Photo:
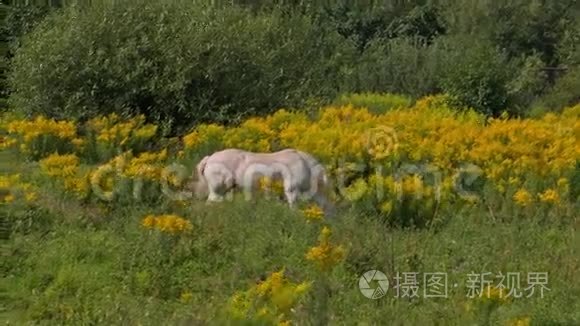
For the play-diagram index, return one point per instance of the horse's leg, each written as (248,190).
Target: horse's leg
(214,196)
(292,197)
(324,204)
(213,186)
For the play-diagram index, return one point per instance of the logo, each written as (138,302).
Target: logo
(364,284)
(382,142)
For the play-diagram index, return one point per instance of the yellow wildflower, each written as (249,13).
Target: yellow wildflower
(550,196)
(202,134)
(149,221)
(186,297)
(31,196)
(563,185)
(32,129)
(273,299)
(522,197)
(56,165)
(357,190)
(168,223)
(524,321)
(303,287)
(313,213)
(271,186)
(496,294)
(146,132)
(325,255)
(147,165)
(387,207)
(78,185)
(7,142)
(78,142)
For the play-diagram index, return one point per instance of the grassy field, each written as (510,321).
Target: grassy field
(74,264)
(77,261)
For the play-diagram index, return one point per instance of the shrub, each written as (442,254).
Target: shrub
(17,21)
(403,65)
(564,92)
(478,77)
(374,102)
(176,62)
(424,22)
(527,84)
(20,20)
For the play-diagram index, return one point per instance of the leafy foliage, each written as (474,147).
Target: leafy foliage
(180,63)
(478,77)
(375,103)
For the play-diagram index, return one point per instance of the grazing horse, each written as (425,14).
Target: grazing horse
(299,172)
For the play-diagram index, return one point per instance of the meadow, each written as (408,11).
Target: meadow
(473,220)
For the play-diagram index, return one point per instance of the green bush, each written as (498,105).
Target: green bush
(527,84)
(363,24)
(478,77)
(403,65)
(374,102)
(21,19)
(563,93)
(16,20)
(175,62)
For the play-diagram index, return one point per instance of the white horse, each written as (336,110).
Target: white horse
(299,172)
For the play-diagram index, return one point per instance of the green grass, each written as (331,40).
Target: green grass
(74,264)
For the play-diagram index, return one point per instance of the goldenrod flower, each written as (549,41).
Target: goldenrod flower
(11,188)
(522,197)
(550,196)
(273,299)
(78,185)
(325,255)
(78,142)
(146,132)
(268,185)
(386,207)
(357,190)
(149,221)
(524,321)
(202,134)
(563,185)
(56,165)
(147,165)
(185,297)
(495,294)
(31,129)
(9,198)
(31,196)
(313,213)
(168,223)
(7,142)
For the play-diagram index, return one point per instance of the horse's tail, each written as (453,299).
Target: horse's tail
(200,187)
(201,167)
